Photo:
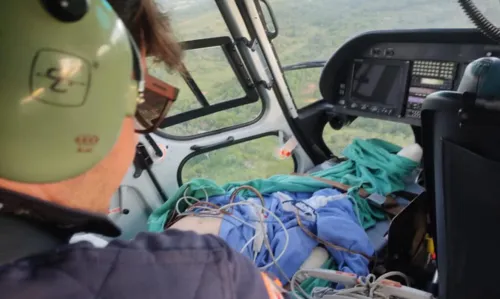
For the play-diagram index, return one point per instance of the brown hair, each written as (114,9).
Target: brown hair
(160,42)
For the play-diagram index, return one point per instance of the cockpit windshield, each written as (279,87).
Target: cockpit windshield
(309,31)
(323,25)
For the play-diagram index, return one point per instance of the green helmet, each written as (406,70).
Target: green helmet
(66,89)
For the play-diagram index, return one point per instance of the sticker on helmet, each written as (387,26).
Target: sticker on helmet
(85,143)
(59,78)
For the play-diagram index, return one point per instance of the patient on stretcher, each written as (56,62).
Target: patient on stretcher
(309,224)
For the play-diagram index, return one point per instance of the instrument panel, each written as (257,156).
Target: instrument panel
(395,88)
(426,78)
(390,80)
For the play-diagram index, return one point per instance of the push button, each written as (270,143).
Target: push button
(389,52)
(376,51)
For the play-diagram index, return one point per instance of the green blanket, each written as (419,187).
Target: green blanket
(373,165)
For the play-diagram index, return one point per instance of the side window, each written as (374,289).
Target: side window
(216,91)
(400,134)
(195,19)
(244,161)
(304,86)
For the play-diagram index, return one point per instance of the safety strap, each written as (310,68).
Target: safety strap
(390,205)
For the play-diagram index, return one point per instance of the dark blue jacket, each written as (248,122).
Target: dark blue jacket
(174,264)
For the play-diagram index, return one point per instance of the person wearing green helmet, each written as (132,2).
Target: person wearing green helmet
(74,94)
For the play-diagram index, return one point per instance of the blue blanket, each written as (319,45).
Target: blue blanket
(373,164)
(326,213)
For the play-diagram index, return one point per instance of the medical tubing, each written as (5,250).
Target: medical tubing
(261,222)
(221,216)
(365,285)
(249,242)
(482,23)
(266,240)
(218,213)
(188,188)
(193,213)
(287,237)
(185,199)
(369,284)
(294,284)
(270,250)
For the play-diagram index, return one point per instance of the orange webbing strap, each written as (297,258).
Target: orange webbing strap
(273,287)
(391,206)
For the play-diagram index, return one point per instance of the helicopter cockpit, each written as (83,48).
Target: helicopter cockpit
(365,207)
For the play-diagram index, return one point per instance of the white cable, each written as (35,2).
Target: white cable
(263,231)
(218,213)
(221,216)
(294,284)
(366,287)
(268,247)
(248,243)
(266,239)
(287,237)
(203,189)
(185,198)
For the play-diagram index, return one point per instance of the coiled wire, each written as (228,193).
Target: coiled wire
(478,18)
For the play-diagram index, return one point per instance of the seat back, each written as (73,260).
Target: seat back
(461,138)
(129,210)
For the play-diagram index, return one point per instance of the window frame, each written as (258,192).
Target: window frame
(214,147)
(305,65)
(240,72)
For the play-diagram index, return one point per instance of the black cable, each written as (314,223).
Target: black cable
(482,23)
(163,196)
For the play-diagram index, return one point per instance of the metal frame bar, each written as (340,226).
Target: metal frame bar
(239,70)
(267,50)
(304,65)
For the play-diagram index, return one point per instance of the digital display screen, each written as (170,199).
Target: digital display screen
(421,90)
(380,83)
(431,81)
(417,100)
